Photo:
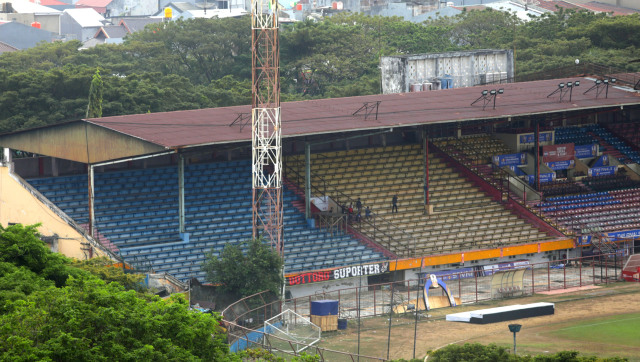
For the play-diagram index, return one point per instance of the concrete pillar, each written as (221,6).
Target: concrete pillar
(181,192)
(92,217)
(307,180)
(6,157)
(54,167)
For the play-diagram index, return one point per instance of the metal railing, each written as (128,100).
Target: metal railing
(471,285)
(376,234)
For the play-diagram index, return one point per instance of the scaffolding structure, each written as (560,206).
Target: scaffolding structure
(265,123)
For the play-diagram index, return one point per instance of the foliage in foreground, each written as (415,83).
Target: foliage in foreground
(493,353)
(245,268)
(51,310)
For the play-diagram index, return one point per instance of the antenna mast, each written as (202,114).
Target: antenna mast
(266,137)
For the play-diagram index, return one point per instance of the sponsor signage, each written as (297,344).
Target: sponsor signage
(602,161)
(584,240)
(544,177)
(554,153)
(628,234)
(586,151)
(336,274)
(517,170)
(494,268)
(561,165)
(602,171)
(453,274)
(531,138)
(510,160)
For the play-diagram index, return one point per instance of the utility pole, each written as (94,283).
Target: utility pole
(266,134)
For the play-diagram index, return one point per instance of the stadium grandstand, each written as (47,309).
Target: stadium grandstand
(513,171)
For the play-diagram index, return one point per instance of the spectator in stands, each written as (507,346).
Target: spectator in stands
(350,215)
(394,203)
(359,205)
(358,216)
(367,213)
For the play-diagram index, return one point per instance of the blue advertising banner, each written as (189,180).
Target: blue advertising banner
(530,138)
(584,240)
(511,159)
(517,170)
(628,234)
(544,177)
(601,161)
(453,274)
(586,151)
(492,269)
(602,171)
(561,165)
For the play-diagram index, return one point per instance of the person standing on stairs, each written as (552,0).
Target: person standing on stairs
(394,203)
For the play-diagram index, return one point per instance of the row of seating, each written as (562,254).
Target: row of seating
(143,221)
(464,217)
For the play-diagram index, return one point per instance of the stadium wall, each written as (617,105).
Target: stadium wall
(20,205)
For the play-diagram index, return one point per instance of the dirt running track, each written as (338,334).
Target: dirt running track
(570,308)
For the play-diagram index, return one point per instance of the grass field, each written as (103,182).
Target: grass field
(618,330)
(604,322)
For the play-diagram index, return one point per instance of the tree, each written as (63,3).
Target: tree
(50,310)
(493,353)
(103,268)
(258,269)
(472,352)
(94,108)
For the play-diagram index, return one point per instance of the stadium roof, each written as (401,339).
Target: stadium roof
(131,135)
(211,126)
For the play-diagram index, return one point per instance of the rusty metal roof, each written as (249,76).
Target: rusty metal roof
(211,126)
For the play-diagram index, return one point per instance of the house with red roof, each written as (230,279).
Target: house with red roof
(100,6)
(5,48)
(615,10)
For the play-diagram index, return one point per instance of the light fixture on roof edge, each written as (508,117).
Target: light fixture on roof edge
(601,84)
(487,96)
(564,88)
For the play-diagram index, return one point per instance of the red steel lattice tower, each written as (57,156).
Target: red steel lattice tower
(265,123)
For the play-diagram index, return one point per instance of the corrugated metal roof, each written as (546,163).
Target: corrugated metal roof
(553,5)
(112,31)
(4,47)
(211,126)
(133,25)
(606,8)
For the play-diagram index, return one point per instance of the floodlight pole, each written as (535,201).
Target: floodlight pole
(415,326)
(266,132)
(515,328)
(390,317)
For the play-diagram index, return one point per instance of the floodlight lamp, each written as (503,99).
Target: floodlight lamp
(561,85)
(606,81)
(493,92)
(569,84)
(598,81)
(485,92)
(500,91)
(576,83)
(515,328)
(613,80)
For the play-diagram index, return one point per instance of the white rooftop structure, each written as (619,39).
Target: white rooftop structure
(27,7)
(86,17)
(522,12)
